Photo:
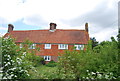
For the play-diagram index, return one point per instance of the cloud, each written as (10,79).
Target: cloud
(102,20)
(103,15)
(105,34)
(68,14)
(2,31)
(35,20)
(50,10)
(3,28)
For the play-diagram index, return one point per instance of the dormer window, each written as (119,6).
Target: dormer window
(79,47)
(63,46)
(47,46)
(32,46)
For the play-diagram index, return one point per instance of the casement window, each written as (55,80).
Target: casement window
(21,45)
(79,47)
(47,58)
(47,46)
(32,46)
(63,46)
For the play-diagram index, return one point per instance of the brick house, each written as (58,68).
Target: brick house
(51,41)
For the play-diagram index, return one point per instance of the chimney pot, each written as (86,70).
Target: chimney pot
(86,27)
(10,27)
(52,26)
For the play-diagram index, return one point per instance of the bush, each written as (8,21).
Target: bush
(51,64)
(14,64)
(37,61)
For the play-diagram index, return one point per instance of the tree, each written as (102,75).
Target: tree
(101,62)
(94,42)
(72,63)
(13,64)
(16,62)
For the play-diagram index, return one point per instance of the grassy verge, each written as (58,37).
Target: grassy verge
(42,72)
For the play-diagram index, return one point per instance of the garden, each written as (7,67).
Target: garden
(98,62)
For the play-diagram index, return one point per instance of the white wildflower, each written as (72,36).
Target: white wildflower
(114,78)
(24,53)
(106,76)
(26,71)
(93,73)
(19,62)
(17,58)
(9,63)
(92,78)
(87,78)
(8,56)
(88,73)
(28,75)
(87,70)
(4,78)
(111,73)
(83,77)
(15,76)
(12,75)
(6,64)
(97,72)
(1,71)
(13,68)
(22,57)
(8,59)
(99,76)
(12,61)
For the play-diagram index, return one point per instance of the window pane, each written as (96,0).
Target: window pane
(63,46)
(82,47)
(45,57)
(47,46)
(34,46)
(21,46)
(79,47)
(48,58)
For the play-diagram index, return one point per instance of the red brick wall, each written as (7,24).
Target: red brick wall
(53,52)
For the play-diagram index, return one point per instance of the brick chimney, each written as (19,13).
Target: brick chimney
(10,27)
(86,27)
(52,27)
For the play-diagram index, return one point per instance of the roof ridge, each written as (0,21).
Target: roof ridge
(48,29)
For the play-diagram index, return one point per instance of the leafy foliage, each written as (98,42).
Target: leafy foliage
(99,63)
(51,64)
(12,62)
(17,62)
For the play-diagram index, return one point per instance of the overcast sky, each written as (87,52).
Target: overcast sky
(101,15)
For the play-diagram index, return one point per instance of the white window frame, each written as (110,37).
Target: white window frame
(48,58)
(32,46)
(21,46)
(81,47)
(47,47)
(65,46)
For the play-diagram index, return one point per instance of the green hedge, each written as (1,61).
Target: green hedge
(51,64)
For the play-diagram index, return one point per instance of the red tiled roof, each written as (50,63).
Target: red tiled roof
(45,36)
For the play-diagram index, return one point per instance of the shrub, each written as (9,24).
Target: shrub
(51,64)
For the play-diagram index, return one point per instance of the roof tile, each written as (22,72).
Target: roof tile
(45,36)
